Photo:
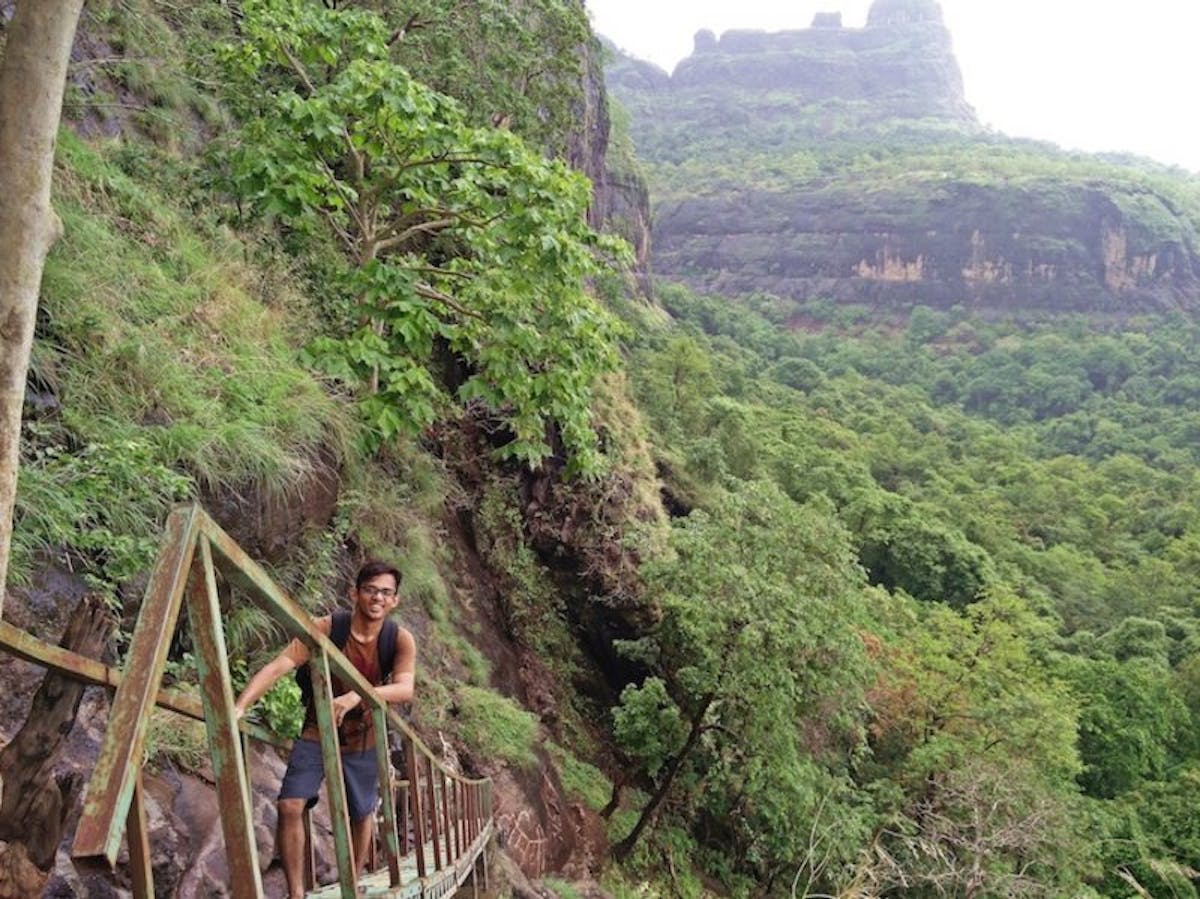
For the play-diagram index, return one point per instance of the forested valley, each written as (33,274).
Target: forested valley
(768,525)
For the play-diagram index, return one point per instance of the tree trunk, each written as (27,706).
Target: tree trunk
(33,805)
(622,849)
(614,801)
(32,79)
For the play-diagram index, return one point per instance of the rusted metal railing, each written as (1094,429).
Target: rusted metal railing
(434,824)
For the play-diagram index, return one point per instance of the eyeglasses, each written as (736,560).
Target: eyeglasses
(372,592)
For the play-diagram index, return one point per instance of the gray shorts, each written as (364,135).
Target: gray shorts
(305,771)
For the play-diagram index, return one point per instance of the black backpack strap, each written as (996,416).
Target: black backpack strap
(387,649)
(339,633)
(339,627)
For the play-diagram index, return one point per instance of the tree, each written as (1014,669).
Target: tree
(755,648)
(986,830)
(975,726)
(455,239)
(1131,723)
(905,546)
(513,62)
(32,82)
(35,807)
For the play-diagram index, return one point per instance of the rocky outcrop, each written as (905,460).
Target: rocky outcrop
(620,198)
(899,67)
(757,88)
(1044,244)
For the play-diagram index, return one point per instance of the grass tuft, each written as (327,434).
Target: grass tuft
(582,780)
(494,726)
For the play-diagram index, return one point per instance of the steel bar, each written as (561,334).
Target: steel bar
(402,805)
(335,783)
(137,834)
(433,815)
(70,664)
(110,789)
(484,858)
(446,816)
(472,797)
(391,843)
(225,749)
(462,815)
(414,797)
(456,788)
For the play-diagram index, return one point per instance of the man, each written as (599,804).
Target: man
(369,635)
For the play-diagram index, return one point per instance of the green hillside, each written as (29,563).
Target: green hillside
(883,589)
(1025,591)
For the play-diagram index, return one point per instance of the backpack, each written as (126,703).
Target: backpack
(339,633)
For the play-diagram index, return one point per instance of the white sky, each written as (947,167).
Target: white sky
(1086,74)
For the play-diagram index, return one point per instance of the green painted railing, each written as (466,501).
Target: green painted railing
(435,824)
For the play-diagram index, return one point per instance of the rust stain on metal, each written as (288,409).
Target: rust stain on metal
(225,748)
(387,788)
(138,836)
(110,789)
(414,799)
(433,815)
(446,829)
(335,783)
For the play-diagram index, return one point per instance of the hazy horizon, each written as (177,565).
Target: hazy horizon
(1094,77)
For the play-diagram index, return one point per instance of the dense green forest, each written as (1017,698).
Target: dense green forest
(891,602)
(1019,516)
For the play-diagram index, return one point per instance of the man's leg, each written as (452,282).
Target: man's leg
(289,844)
(362,829)
(362,796)
(301,782)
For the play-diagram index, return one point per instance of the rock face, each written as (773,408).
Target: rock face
(1042,245)
(620,198)
(789,88)
(845,163)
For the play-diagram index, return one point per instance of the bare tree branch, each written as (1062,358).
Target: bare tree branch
(431,293)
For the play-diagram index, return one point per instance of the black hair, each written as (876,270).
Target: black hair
(372,568)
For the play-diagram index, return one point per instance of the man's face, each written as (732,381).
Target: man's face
(376,598)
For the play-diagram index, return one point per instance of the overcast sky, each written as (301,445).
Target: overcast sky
(1086,74)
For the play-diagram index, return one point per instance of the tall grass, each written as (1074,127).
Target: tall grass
(495,726)
(157,371)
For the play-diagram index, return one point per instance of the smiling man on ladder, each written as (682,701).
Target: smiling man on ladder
(385,654)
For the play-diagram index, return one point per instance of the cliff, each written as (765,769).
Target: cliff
(921,238)
(895,66)
(790,88)
(620,198)
(140,281)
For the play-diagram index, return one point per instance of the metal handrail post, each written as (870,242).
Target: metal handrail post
(220,722)
(433,816)
(335,781)
(391,843)
(414,797)
(137,835)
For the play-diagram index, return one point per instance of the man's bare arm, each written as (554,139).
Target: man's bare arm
(263,681)
(404,667)
(401,687)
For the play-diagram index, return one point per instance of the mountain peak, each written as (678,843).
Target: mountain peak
(904,12)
